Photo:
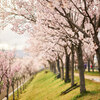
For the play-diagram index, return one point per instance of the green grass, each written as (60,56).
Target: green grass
(45,86)
(90,73)
(93,73)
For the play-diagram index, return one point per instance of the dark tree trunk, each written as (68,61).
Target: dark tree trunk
(17,90)
(98,57)
(72,65)
(54,67)
(23,82)
(13,89)
(23,85)
(67,79)
(62,70)
(58,67)
(81,69)
(92,62)
(88,65)
(50,65)
(0,88)
(97,42)
(13,92)
(7,88)
(1,82)
(20,87)
(92,65)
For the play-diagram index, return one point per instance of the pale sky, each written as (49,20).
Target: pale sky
(11,40)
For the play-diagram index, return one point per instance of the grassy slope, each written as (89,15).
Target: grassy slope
(46,87)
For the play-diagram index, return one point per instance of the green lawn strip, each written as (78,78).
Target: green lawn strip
(45,86)
(93,73)
(90,73)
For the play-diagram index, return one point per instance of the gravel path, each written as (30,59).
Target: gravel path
(94,78)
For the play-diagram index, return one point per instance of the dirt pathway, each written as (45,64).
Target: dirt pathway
(94,78)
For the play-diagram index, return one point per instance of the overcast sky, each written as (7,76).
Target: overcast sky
(12,40)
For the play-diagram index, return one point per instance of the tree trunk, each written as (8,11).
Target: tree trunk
(50,64)
(0,88)
(62,70)
(23,85)
(20,87)
(13,92)
(97,42)
(7,88)
(81,69)
(54,67)
(50,67)
(13,89)
(17,90)
(88,65)
(23,82)
(67,79)
(92,66)
(72,65)
(58,67)
(98,57)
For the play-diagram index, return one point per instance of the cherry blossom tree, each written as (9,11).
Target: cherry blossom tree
(6,74)
(90,10)
(11,71)
(61,23)
(59,6)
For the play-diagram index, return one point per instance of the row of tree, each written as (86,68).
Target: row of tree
(14,72)
(58,29)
